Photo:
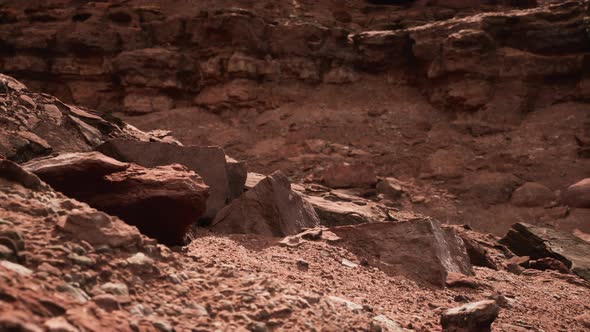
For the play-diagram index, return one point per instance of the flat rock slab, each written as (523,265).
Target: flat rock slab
(207,161)
(419,249)
(538,242)
(270,208)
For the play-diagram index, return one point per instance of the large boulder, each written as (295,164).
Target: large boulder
(537,242)
(419,249)
(224,180)
(578,194)
(271,208)
(162,202)
(532,194)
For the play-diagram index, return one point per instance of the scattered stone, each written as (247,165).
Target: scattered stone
(23,271)
(107,302)
(81,260)
(302,264)
(271,208)
(471,317)
(163,326)
(348,263)
(338,301)
(460,280)
(115,288)
(75,292)
(382,323)
(59,324)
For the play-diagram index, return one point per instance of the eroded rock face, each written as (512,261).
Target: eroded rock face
(224,179)
(216,57)
(271,208)
(162,202)
(537,243)
(36,125)
(418,249)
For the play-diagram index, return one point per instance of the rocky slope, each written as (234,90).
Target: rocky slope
(463,102)
(67,267)
(372,126)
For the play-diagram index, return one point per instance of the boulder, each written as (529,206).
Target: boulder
(162,202)
(345,175)
(471,317)
(578,194)
(532,194)
(418,249)
(489,187)
(98,228)
(207,161)
(391,188)
(271,208)
(537,243)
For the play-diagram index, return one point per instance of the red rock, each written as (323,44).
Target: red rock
(390,187)
(418,249)
(548,263)
(162,202)
(471,317)
(538,242)
(271,208)
(578,194)
(17,321)
(460,280)
(207,161)
(532,194)
(99,228)
(60,169)
(345,175)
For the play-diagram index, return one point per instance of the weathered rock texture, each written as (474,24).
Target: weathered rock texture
(36,124)
(163,202)
(419,249)
(207,161)
(271,208)
(471,317)
(537,242)
(153,58)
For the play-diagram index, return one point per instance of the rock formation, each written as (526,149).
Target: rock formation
(163,202)
(270,208)
(300,165)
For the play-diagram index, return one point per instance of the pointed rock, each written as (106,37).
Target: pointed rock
(271,208)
